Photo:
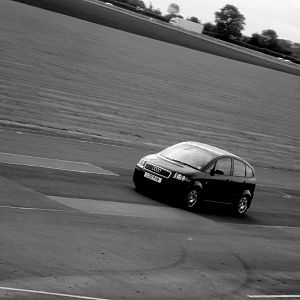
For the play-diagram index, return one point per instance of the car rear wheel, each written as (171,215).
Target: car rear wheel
(192,199)
(242,205)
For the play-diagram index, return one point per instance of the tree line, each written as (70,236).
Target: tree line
(229,24)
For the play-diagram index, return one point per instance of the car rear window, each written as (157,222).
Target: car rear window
(249,172)
(192,155)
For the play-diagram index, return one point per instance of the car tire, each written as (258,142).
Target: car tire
(192,199)
(242,205)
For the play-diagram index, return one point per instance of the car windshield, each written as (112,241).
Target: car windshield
(189,154)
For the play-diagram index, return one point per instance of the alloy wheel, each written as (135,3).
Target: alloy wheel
(192,198)
(242,205)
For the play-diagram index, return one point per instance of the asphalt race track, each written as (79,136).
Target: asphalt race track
(85,234)
(72,225)
(74,78)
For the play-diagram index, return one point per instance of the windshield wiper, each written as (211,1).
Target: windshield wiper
(182,163)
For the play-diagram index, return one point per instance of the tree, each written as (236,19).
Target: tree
(138,3)
(267,39)
(285,46)
(154,10)
(194,19)
(229,22)
(296,50)
(270,34)
(151,8)
(173,9)
(209,27)
(134,3)
(157,11)
(258,40)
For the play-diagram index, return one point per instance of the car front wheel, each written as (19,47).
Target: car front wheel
(192,199)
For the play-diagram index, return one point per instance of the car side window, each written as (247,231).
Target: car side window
(239,168)
(249,172)
(224,164)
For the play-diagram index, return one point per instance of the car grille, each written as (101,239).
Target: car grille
(158,170)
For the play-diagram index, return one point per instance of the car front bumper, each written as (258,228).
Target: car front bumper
(170,185)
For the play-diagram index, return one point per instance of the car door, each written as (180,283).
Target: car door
(218,185)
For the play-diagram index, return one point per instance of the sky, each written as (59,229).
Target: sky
(283,16)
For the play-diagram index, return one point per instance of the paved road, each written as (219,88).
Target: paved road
(68,234)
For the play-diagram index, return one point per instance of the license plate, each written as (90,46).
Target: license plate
(152,177)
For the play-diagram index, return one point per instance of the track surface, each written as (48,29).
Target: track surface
(60,74)
(85,233)
(95,236)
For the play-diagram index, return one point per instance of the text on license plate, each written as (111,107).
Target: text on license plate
(153,177)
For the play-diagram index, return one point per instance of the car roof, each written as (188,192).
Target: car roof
(215,150)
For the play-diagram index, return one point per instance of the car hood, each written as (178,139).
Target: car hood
(160,161)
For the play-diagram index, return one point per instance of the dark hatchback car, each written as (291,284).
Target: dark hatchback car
(196,172)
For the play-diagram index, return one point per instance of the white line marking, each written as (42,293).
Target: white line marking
(278,187)
(121,208)
(117,209)
(49,293)
(52,163)
(121,214)
(273,296)
(268,226)
(75,211)
(63,169)
(37,208)
(81,141)
(109,208)
(78,212)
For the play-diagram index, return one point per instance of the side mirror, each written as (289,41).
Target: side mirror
(216,172)
(219,172)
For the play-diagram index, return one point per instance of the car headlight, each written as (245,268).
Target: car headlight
(141,163)
(180,177)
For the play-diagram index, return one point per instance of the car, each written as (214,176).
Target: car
(195,173)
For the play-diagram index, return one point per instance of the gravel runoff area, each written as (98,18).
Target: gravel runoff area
(66,76)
